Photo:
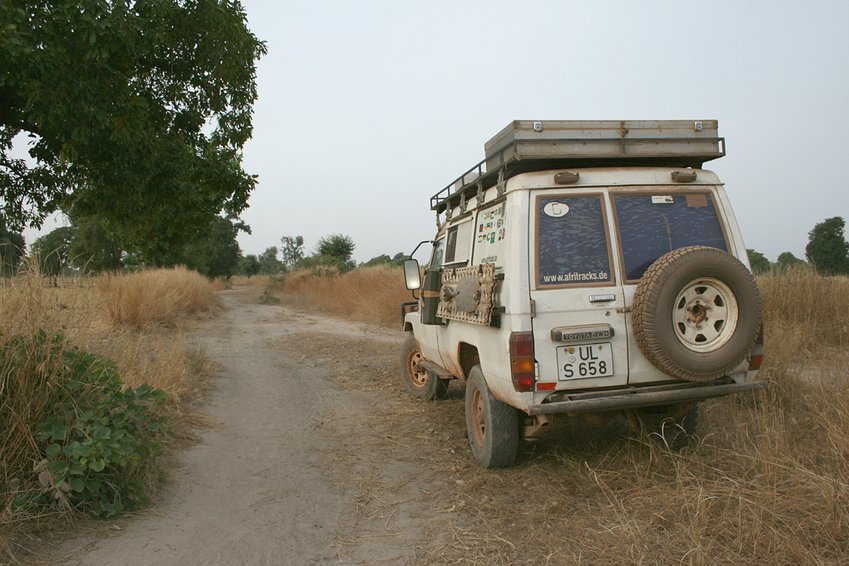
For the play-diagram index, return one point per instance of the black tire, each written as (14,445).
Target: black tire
(696,313)
(492,426)
(672,426)
(421,384)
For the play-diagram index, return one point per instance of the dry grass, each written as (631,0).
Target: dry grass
(766,483)
(156,297)
(91,316)
(369,294)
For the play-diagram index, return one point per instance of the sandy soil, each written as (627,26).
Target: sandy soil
(296,468)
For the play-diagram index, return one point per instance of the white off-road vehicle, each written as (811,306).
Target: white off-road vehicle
(584,268)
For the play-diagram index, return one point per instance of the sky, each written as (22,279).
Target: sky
(367,108)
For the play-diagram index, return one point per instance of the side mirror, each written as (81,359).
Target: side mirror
(412,275)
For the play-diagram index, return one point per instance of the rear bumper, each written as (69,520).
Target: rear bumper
(634,397)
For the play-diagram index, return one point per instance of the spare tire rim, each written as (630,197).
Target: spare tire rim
(705,315)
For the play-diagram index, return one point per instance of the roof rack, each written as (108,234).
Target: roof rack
(537,146)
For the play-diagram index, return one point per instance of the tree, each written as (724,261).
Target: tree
(336,246)
(786,260)
(249,265)
(216,253)
(384,259)
(292,250)
(268,262)
(11,249)
(335,251)
(827,249)
(94,248)
(53,250)
(758,261)
(142,105)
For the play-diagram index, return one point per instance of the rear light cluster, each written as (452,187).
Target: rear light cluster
(522,363)
(756,358)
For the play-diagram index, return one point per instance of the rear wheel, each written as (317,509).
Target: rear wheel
(419,382)
(492,426)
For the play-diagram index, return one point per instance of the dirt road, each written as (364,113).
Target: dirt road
(296,468)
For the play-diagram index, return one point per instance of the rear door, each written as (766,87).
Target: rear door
(580,337)
(651,221)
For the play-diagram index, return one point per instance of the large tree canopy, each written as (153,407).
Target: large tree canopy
(136,112)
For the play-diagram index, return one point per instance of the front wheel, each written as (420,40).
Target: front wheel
(419,382)
(492,426)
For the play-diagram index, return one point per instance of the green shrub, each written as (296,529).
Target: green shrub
(96,441)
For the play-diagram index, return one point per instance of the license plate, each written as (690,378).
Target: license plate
(584,361)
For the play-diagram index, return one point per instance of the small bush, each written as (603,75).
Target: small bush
(93,441)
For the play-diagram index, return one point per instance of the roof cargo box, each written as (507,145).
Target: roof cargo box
(573,143)
(527,145)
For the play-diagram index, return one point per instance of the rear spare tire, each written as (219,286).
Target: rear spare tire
(696,313)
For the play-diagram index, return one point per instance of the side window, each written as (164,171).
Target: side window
(438,253)
(572,242)
(651,225)
(458,242)
(490,236)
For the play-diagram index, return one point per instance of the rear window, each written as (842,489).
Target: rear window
(572,242)
(652,225)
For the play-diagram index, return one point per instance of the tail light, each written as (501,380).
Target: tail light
(756,358)
(522,362)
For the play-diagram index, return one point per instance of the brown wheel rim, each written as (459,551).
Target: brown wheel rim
(478,420)
(417,378)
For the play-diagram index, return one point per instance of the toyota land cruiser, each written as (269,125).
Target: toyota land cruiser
(584,268)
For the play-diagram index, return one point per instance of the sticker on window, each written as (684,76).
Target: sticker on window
(698,201)
(662,199)
(556,209)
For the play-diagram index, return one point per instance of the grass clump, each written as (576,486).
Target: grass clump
(73,436)
(368,294)
(95,441)
(157,297)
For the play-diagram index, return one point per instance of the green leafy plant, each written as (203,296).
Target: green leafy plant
(100,439)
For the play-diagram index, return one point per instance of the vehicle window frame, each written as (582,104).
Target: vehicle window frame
(439,242)
(455,228)
(537,286)
(659,191)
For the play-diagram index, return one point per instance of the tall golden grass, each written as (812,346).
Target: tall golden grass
(156,297)
(368,294)
(131,319)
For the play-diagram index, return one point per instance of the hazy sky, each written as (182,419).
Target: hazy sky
(367,108)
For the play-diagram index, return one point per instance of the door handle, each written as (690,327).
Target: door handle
(602,298)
